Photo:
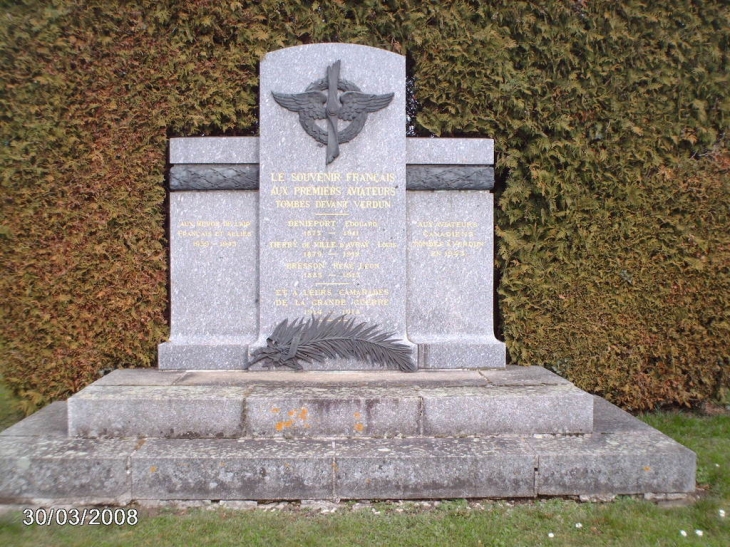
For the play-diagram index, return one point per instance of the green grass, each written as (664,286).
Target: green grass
(9,412)
(625,522)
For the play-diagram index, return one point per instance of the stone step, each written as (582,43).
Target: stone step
(347,404)
(39,463)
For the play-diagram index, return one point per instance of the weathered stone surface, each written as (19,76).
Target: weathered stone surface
(140,377)
(231,469)
(608,418)
(338,404)
(426,151)
(329,411)
(511,410)
(246,150)
(449,177)
(338,379)
(333,235)
(203,354)
(627,462)
(73,470)
(445,352)
(214,177)
(624,455)
(434,468)
(450,278)
(514,375)
(221,150)
(157,411)
(49,422)
(213,252)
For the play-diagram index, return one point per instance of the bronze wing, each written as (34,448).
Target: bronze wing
(355,108)
(311,107)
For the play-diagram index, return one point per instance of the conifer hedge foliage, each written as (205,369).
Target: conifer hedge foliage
(611,126)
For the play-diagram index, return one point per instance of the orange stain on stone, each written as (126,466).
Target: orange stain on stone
(281,425)
(359,427)
(300,414)
(357,415)
(275,410)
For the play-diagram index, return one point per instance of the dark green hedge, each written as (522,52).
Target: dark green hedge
(610,120)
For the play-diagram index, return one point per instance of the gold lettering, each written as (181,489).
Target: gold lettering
(305,265)
(360,224)
(316,177)
(456,224)
(315,292)
(317,191)
(429,243)
(329,302)
(370,177)
(427,233)
(364,292)
(331,204)
(370,191)
(371,302)
(380,204)
(286,204)
(311,223)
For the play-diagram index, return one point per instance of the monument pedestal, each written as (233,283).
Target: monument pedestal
(143,434)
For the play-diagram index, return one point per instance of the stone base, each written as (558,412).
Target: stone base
(341,404)
(39,462)
(486,353)
(202,356)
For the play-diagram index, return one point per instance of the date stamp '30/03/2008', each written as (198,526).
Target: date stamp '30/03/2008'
(93,516)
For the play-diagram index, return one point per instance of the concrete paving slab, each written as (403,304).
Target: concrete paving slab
(343,378)
(233,469)
(139,377)
(513,375)
(79,470)
(514,410)
(608,418)
(156,411)
(48,422)
(300,411)
(434,468)
(626,462)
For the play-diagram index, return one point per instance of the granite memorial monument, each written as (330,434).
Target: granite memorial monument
(334,244)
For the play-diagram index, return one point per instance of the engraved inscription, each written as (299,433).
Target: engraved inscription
(452,239)
(330,245)
(207,233)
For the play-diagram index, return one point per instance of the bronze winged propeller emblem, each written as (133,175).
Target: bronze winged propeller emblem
(351,106)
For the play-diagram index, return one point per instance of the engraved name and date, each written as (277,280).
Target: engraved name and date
(334,241)
(90,516)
